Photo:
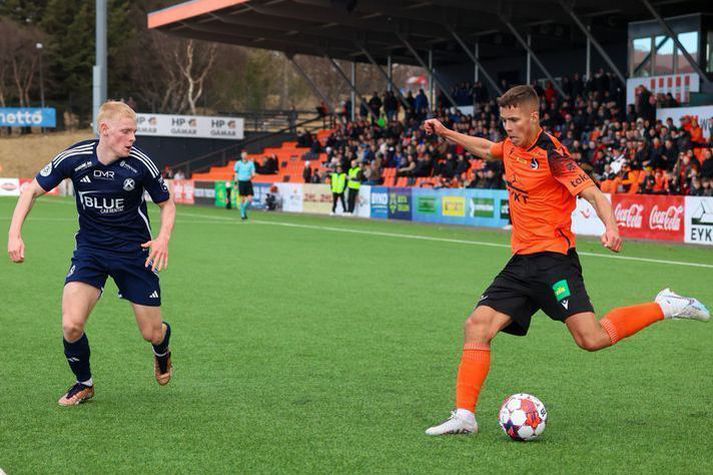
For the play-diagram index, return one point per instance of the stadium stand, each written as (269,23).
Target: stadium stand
(624,148)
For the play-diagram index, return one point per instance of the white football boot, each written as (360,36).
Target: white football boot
(676,307)
(460,422)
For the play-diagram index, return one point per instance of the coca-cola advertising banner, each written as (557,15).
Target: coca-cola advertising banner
(650,216)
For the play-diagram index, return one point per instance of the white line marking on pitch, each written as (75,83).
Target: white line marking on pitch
(439,239)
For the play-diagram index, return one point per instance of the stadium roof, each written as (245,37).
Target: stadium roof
(341,28)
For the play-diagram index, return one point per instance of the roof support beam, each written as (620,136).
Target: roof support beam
(353,88)
(696,67)
(425,66)
(401,97)
(311,83)
(475,60)
(567,8)
(532,55)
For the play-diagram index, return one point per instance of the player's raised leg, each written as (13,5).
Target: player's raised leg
(623,322)
(480,329)
(158,333)
(78,300)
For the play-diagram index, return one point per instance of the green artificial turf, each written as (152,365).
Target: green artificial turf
(299,347)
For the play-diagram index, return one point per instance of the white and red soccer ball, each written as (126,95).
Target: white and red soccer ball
(523,417)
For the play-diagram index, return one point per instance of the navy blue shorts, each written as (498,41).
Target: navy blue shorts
(136,283)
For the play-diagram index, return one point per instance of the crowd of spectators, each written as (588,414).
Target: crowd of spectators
(625,149)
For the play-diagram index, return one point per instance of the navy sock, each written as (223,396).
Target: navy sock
(77,354)
(162,347)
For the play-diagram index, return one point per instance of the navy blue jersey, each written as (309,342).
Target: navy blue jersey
(110,198)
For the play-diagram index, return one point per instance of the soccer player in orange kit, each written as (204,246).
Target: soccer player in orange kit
(544,272)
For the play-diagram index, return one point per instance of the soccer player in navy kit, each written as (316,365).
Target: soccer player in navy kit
(114,239)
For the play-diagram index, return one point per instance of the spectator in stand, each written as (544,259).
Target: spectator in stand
(375,104)
(304,139)
(391,106)
(707,187)
(407,170)
(307,173)
(271,166)
(696,187)
(421,105)
(372,174)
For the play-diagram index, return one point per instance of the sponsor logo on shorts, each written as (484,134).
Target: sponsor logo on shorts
(71,270)
(154,295)
(561,290)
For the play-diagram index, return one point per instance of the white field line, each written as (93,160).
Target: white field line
(228,220)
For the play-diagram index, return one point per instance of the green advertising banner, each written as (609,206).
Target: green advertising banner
(426,204)
(482,207)
(221,193)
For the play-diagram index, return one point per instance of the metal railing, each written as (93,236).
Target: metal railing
(271,121)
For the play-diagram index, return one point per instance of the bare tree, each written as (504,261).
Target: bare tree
(18,61)
(194,68)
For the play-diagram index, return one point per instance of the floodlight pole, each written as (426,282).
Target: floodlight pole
(696,67)
(428,67)
(354,90)
(99,70)
(475,60)
(567,8)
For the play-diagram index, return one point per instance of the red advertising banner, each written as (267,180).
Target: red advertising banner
(650,216)
(183,191)
(26,181)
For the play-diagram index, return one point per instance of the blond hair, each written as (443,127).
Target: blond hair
(113,110)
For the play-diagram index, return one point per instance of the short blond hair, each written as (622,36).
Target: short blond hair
(114,110)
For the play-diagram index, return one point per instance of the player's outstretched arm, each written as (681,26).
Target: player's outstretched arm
(158,254)
(15,245)
(479,147)
(610,239)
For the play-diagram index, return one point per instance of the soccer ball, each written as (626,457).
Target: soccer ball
(523,417)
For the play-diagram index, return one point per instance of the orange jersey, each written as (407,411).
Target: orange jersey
(543,182)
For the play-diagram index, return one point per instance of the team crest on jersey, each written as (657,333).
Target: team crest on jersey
(46,170)
(129,184)
(534,164)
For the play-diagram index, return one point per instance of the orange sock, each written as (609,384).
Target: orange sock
(473,369)
(623,322)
